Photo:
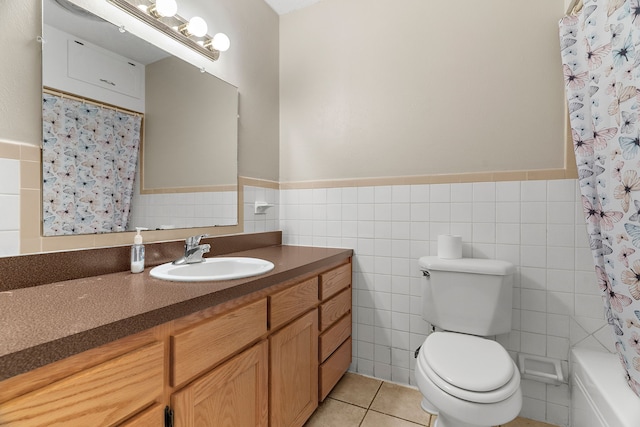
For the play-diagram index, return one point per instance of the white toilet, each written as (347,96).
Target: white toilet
(467,380)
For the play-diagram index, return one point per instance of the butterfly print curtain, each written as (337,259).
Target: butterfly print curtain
(601,64)
(89,159)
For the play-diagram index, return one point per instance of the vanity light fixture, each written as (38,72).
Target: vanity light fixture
(163,8)
(219,42)
(195,27)
(162,15)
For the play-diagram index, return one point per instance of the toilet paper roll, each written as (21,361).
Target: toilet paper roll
(449,246)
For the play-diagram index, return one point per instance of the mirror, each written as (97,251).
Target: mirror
(182,121)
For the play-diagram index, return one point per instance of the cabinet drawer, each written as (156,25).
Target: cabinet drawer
(334,336)
(99,396)
(287,304)
(332,370)
(335,308)
(203,346)
(334,281)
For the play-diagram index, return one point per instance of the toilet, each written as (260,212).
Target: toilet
(466,379)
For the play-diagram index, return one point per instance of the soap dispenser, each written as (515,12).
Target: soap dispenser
(137,252)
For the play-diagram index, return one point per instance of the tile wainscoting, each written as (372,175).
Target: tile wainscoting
(259,222)
(182,210)
(536,225)
(9,206)
(19,196)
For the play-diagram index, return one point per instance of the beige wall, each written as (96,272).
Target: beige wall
(190,129)
(20,72)
(387,88)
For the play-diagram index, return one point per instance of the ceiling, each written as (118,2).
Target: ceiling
(285,6)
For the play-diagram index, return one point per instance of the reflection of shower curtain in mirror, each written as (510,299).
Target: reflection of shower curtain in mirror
(89,159)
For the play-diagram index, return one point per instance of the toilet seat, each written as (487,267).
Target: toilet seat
(469,367)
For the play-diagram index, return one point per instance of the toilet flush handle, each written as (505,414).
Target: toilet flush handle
(425,273)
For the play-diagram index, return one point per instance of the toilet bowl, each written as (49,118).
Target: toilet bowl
(468,381)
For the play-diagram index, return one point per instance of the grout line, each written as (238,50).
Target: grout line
(403,419)
(375,395)
(368,408)
(371,403)
(391,415)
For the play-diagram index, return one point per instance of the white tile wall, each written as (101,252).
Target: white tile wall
(184,209)
(9,207)
(268,221)
(537,225)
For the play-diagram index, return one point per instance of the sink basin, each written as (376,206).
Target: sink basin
(223,268)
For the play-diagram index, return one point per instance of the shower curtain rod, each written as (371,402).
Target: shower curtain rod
(68,95)
(574,7)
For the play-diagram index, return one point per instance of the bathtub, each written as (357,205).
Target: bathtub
(600,396)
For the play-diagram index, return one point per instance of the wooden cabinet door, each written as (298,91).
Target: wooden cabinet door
(294,372)
(102,395)
(235,394)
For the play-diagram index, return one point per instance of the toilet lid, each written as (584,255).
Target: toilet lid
(468,362)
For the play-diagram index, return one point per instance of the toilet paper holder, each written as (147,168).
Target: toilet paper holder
(542,369)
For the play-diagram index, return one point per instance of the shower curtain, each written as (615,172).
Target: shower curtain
(601,64)
(89,159)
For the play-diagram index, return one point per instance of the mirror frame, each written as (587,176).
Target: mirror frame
(119,18)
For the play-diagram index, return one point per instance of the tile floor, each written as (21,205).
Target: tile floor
(359,401)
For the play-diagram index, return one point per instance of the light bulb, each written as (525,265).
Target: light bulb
(166,8)
(197,26)
(221,42)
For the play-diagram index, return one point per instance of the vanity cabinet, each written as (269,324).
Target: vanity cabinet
(263,359)
(104,394)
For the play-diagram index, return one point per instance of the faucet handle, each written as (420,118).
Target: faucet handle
(195,240)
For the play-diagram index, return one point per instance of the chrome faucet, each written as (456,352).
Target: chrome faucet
(193,250)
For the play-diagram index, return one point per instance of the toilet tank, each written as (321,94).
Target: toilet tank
(467,295)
